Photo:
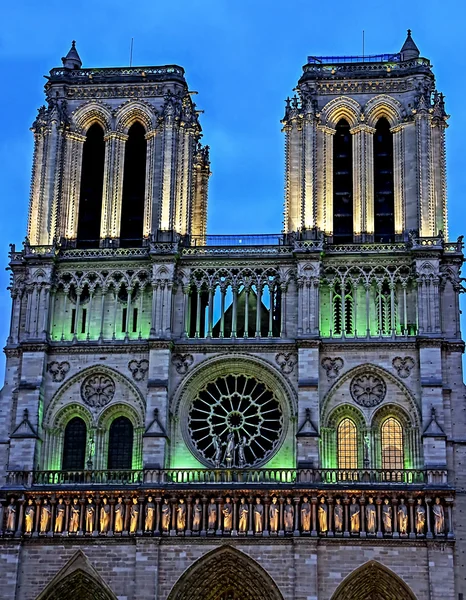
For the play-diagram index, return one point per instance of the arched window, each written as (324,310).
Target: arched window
(384,222)
(343,310)
(347,444)
(134,182)
(342,184)
(392,444)
(120,444)
(74,445)
(92,183)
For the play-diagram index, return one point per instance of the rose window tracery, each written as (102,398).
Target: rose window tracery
(368,389)
(235,421)
(98,390)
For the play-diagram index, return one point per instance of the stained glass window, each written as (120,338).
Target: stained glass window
(392,444)
(120,444)
(347,441)
(74,445)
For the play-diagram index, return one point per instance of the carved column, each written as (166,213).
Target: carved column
(314,516)
(296,501)
(325,179)
(429,534)
(113,185)
(398,178)
(151,200)
(363,183)
(422,120)
(72,184)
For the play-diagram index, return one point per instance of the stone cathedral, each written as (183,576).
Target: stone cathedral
(274,417)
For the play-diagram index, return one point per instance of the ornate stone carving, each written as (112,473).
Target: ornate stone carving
(97,390)
(368,389)
(138,369)
(332,366)
(182,362)
(286,361)
(58,370)
(403,366)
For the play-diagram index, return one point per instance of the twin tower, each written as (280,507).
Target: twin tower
(118,157)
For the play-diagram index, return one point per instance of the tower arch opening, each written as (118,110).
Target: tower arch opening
(384,203)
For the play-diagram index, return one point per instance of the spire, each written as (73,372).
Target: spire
(72,60)
(409,49)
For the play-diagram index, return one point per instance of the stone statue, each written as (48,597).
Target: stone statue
(274,511)
(119,515)
(439,518)
(104,516)
(306,515)
(240,452)
(134,516)
(420,517)
(387,517)
(323,516)
(243,516)
(150,515)
(338,516)
(181,516)
(355,516)
(11,516)
(366,451)
(229,457)
(165,516)
(227,515)
(371,517)
(258,516)
(288,516)
(74,516)
(60,516)
(218,451)
(197,515)
(45,516)
(29,517)
(403,518)
(90,513)
(212,514)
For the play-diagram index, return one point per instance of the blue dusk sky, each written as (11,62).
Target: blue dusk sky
(244,58)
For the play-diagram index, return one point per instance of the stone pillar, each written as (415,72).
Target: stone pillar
(113,185)
(363,183)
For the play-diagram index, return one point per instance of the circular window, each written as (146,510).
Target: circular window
(235,421)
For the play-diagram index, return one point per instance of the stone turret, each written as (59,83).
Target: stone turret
(409,49)
(72,60)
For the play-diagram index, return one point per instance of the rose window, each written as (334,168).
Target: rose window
(368,389)
(98,390)
(235,421)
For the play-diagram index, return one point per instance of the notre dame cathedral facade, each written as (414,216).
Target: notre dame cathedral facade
(273,417)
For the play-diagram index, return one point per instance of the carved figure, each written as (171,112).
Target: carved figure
(212,514)
(165,516)
(229,457)
(420,518)
(197,515)
(403,518)
(11,516)
(119,515)
(240,451)
(134,516)
(29,517)
(218,451)
(150,515)
(273,515)
(60,516)
(323,516)
(355,516)
(288,516)
(227,515)
(181,516)
(439,518)
(371,517)
(338,516)
(243,516)
(45,516)
(104,516)
(90,513)
(387,517)
(258,516)
(306,515)
(74,516)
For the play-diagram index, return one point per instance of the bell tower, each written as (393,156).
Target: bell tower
(365,148)
(117,157)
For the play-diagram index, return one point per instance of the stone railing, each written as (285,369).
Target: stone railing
(78,75)
(166,478)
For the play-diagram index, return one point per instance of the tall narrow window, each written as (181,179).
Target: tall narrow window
(74,445)
(342,184)
(92,182)
(120,444)
(384,222)
(347,444)
(392,444)
(134,180)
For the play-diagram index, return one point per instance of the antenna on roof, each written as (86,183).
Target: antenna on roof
(363,45)
(131,53)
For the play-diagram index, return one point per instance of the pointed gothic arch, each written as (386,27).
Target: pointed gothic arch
(223,573)
(373,580)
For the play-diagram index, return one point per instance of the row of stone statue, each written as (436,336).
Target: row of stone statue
(227,516)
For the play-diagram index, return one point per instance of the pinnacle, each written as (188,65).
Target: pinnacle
(409,49)
(72,59)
